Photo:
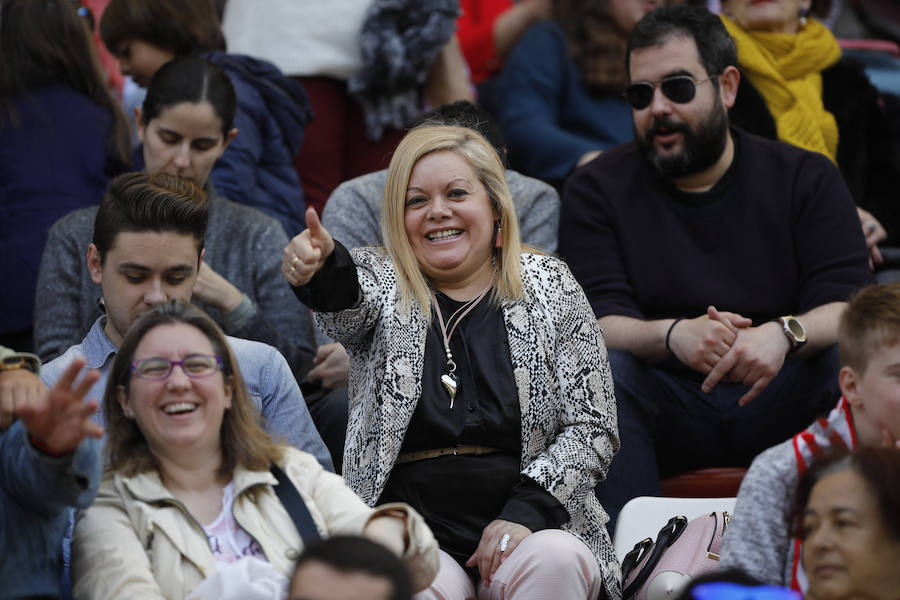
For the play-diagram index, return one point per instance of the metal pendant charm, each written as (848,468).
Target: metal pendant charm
(450,385)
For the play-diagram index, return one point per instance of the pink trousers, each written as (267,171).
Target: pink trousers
(547,564)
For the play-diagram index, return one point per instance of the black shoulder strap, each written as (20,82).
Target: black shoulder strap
(295,506)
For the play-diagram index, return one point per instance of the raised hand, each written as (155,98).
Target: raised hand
(17,387)
(306,253)
(60,418)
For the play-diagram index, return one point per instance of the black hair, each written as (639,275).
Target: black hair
(157,202)
(179,26)
(191,79)
(358,554)
(463,113)
(715,46)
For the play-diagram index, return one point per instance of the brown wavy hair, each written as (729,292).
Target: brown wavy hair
(244,442)
(179,26)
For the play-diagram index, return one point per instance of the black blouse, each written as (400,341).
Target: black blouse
(457,495)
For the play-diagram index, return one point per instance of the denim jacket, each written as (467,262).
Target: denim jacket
(269,380)
(36,492)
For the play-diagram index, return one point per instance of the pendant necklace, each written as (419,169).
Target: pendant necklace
(449,378)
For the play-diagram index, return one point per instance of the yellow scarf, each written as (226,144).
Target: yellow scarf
(786,69)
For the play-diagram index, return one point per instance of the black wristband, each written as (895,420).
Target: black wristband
(669,334)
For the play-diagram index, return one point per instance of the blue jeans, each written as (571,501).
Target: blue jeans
(668,426)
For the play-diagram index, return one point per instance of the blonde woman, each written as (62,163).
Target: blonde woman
(189,497)
(480,388)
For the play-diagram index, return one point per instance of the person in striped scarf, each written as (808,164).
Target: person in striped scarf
(759,539)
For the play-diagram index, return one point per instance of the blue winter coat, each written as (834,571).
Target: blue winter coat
(257,169)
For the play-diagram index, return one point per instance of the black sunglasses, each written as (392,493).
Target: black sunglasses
(678,88)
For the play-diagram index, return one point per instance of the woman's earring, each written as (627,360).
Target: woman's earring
(498,239)
(803,19)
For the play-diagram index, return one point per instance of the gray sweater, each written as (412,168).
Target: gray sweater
(242,244)
(352,214)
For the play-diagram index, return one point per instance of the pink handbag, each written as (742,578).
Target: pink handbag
(660,570)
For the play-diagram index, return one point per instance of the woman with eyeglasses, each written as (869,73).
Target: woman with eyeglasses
(796,87)
(848,521)
(62,136)
(192,500)
(480,390)
(558,99)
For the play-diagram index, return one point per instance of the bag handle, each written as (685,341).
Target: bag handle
(670,532)
(295,506)
(634,557)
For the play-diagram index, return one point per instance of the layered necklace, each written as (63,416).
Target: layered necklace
(448,379)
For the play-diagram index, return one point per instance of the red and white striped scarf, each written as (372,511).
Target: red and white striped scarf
(824,434)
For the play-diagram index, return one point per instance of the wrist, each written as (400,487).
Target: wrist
(41,446)
(669,335)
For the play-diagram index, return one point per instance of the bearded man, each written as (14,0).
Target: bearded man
(717,263)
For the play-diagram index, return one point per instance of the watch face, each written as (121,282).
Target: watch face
(794,328)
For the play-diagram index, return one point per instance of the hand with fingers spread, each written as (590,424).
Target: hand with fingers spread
(306,253)
(701,342)
(332,366)
(754,359)
(498,540)
(17,388)
(60,418)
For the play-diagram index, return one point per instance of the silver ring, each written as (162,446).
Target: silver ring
(871,226)
(504,542)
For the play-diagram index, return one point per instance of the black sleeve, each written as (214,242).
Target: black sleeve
(335,286)
(534,507)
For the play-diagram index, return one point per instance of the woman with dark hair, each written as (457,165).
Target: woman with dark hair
(272,110)
(62,136)
(849,524)
(189,499)
(559,96)
(796,87)
(185,124)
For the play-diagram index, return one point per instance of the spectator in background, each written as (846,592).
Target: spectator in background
(867,415)
(272,110)
(49,461)
(847,517)
(349,568)
(559,98)
(488,30)
(367,65)
(147,247)
(186,126)
(796,88)
(62,135)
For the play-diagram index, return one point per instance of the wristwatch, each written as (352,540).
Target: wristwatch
(794,331)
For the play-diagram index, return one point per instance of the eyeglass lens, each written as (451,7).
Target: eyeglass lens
(680,89)
(194,365)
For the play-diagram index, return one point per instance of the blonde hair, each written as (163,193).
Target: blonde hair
(869,324)
(484,160)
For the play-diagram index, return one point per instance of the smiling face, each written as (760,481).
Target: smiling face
(140,271)
(449,221)
(140,60)
(178,413)
(679,139)
(185,139)
(846,550)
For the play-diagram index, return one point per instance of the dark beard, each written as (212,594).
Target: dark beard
(700,148)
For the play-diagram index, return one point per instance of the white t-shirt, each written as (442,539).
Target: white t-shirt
(228,541)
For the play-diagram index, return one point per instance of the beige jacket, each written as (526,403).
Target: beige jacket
(138,541)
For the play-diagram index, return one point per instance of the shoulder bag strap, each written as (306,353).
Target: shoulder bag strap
(295,506)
